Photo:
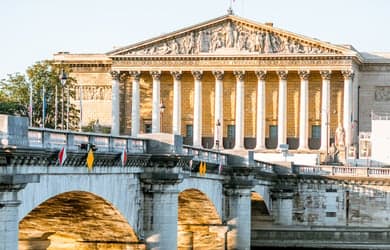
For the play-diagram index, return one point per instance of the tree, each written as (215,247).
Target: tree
(41,75)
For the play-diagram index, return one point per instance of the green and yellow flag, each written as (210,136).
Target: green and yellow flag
(90,159)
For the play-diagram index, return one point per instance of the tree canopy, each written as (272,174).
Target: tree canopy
(46,93)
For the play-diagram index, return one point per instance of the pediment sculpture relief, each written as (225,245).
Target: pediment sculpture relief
(232,38)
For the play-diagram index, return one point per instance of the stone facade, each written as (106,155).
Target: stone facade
(354,84)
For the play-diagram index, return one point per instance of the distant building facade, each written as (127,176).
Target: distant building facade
(237,82)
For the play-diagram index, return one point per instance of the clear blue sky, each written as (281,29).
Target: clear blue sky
(33,30)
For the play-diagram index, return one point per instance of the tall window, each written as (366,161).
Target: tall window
(316,131)
(273,131)
(148,128)
(189,130)
(231,131)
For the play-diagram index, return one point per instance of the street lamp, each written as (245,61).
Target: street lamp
(162,108)
(218,124)
(63,78)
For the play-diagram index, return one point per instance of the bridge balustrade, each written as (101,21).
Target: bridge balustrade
(264,166)
(342,171)
(56,139)
(206,155)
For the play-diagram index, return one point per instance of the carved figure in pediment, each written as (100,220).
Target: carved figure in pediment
(189,44)
(229,36)
(259,42)
(216,42)
(267,44)
(251,42)
(242,41)
(276,44)
(175,47)
(164,49)
(199,42)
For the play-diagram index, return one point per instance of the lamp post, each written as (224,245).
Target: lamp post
(63,78)
(162,108)
(218,125)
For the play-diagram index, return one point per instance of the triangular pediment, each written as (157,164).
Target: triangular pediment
(230,35)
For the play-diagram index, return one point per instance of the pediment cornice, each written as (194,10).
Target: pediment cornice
(234,36)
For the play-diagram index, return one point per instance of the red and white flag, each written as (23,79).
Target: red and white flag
(62,156)
(220,168)
(124,157)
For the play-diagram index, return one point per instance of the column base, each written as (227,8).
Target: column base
(259,148)
(303,148)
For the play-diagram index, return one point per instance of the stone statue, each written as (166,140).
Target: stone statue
(229,42)
(339,136)
(333,153)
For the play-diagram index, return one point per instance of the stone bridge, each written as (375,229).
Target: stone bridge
(159,200)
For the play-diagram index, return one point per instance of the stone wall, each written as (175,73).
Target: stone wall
(334,203)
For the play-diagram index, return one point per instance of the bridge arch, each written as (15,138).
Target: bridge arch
(199,224)
(76,220)
(108,186)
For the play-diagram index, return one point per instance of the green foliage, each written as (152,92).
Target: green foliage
(16,89)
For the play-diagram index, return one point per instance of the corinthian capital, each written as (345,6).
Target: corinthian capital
(304,74)
(218,74)
(197,74)
(177,75)
(261,74)
(326,74)
(239,74)
(135,74)
(156,74)
(348,74)
(115,75)
(282,74)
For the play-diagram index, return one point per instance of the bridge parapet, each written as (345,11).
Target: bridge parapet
(342,171)
(56,139)
(206,155)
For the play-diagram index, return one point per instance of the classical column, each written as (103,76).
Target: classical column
(347,119)
(239,136)
(304,110)
(115,103)
(325,105)
(260,116)
(156,101)
(282,107)
(135,115)
(197,133)
(176,119)
(218,117)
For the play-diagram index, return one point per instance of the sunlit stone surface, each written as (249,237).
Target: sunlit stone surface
(76,220)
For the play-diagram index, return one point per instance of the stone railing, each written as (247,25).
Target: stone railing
(342,171)
(50,138)
(264,166)
(206,155)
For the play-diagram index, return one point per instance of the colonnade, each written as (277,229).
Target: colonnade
(239,107)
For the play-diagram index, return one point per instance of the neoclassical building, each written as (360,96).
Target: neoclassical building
(234,81)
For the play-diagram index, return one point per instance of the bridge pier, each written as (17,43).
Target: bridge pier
(283,207)
(10,185)
(160,190)
(238,208)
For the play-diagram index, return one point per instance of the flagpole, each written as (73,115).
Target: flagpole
(81,106)
(31,107)
(56,109)
(67,109)
(43,106)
